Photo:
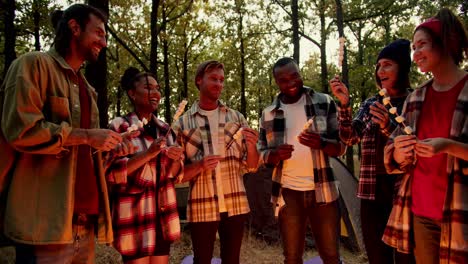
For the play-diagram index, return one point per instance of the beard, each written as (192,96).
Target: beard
(92,56)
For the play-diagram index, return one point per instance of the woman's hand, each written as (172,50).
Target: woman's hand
(339,90)
(431,146)
(157,145)
(404,149)
(379,115)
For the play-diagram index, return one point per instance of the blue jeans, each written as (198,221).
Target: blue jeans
(324,220)
(82,250)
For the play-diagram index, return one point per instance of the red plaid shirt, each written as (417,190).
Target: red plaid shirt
(454,226)
(372,138)
(134,202)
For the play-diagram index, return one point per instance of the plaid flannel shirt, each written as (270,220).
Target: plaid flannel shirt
(272,134)
(372,138)
(196,141)
(398,233)
(133,198)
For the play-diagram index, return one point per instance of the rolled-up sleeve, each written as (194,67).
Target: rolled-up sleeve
(262,143)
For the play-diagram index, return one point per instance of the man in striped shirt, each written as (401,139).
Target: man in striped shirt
(219,148)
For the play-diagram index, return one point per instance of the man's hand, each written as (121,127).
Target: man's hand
(282,152)
(404,149)
(250,136)
(209,162)
(126,147)
(311,140)
(174,152)
(431,146)
(103,139)
(339,90)
(379,115)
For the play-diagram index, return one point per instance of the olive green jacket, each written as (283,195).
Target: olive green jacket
(41,106)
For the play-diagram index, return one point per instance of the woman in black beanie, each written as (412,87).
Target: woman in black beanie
(372,126)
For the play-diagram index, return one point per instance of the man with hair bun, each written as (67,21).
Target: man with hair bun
(57,201)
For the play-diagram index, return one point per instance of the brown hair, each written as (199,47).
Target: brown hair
(63,34)
(205,67)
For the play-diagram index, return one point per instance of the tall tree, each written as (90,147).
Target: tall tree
(240,36)
(10,33)
(154,37)
(295,29)
(344,71)
(37,20)
(96,72)
(170,14)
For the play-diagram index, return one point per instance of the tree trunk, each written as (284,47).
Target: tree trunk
(96,72)
(323,48)
(344,73)
(10,33)
(119,88)
(37,19)
(295,29)
(185,72)
(167,88)
(240,28)
(154,37)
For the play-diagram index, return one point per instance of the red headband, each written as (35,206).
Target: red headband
(432,24)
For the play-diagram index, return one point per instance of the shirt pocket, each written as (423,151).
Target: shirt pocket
(233,138)
(193,143)
(57,109)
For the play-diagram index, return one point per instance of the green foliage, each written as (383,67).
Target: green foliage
(199,30)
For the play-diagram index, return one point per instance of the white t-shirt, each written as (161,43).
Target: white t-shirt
(298,171)
(218,149)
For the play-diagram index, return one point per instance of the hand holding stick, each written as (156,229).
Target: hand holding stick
(393,110)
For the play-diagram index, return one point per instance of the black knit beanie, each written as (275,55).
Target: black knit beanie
(398,51)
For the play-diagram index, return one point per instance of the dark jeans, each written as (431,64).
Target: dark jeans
(426,240)
(374,217)
(231,231)
(82,250)
(324,220)
(258,187)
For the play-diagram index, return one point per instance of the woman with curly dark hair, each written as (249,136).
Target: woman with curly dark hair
(144,215)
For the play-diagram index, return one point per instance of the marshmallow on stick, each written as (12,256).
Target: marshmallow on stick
(307,125)
(236,136)
(130,129)
(180,110)
(393,110)
(342,41)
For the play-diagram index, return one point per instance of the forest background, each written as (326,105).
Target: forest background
(171,37)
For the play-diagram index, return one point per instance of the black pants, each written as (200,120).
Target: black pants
(258,188)
(231,231)
(374,216)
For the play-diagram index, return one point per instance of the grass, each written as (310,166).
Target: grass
(253,251)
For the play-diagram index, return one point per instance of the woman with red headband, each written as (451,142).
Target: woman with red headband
(430,214)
